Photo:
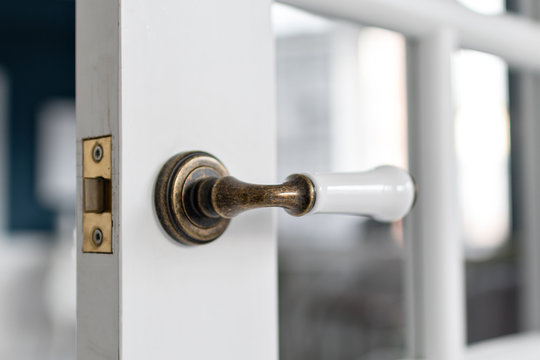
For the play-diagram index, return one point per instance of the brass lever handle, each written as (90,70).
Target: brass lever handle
(227,196)
(195,197)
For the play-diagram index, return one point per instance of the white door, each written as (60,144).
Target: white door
(160,78)
(166,76)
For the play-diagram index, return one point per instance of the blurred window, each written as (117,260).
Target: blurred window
(342,106)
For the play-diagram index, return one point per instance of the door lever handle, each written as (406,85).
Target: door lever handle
(195,197)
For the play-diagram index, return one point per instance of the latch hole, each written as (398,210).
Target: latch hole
(97,195)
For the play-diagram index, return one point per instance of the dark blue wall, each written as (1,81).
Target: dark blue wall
(37,50)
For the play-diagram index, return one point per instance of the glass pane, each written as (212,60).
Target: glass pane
(341,107)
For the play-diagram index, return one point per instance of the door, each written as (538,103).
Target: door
(166,76)
(162,78)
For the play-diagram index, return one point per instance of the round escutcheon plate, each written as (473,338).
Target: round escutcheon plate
(173,202)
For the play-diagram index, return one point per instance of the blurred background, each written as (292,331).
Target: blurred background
(342,106)
(37,179)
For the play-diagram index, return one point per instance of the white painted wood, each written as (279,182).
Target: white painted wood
(507,36)
(385,193)
(97,110)
(183,75)
(526,129)
(527,132)
(434,263)
(196,74)
(524,346)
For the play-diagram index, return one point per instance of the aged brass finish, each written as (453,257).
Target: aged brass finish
(173,198)
(195,198)
(97,198)
(91,222)
(227,197)
(93,168)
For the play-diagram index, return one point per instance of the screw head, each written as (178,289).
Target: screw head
(97,237)
(97,153)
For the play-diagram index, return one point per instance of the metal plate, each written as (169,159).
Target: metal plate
(97,213)
(97,221)
(92,168)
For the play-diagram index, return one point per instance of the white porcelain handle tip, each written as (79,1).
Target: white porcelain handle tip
(386,193)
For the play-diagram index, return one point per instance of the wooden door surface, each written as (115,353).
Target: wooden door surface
(163,77)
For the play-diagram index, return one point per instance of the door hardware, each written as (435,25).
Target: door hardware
(195,197)
(97,195)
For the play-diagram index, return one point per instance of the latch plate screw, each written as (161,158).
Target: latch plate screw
(97,237)
(97,153)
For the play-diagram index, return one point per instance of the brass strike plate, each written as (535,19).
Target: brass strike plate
(97,195)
